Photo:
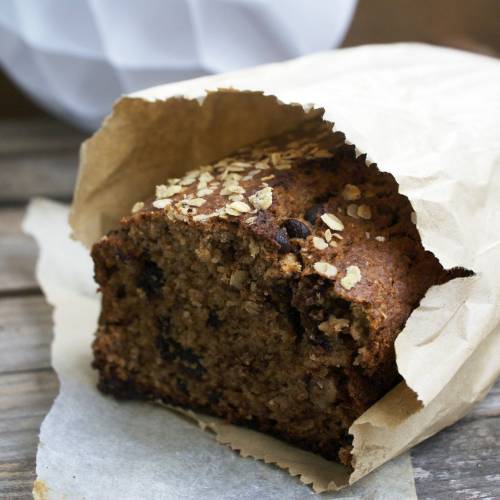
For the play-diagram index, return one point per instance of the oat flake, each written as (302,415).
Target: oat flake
(332,221)
(351,278)
(319,243)
(161,203)
(325,269)
(262,199)
(137,206)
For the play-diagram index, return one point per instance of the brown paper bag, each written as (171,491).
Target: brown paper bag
(435,133)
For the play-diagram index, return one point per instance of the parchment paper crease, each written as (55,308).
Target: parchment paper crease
(427,115)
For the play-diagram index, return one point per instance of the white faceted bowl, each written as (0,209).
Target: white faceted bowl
(76,57)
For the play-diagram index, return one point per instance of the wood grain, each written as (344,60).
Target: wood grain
(37,158)
(17,254)
(49,174)
(460,462)
(28,387)
(25,334)
(37,135)
(25,399)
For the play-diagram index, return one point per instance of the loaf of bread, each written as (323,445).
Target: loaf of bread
(267,289)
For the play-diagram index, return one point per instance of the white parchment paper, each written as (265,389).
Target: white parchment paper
(93,447)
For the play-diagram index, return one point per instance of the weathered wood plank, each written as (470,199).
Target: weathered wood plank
(460,462)
(25,334)
(25,396)
(25,399)
(49,174)
(16,478)
(37,135)
(38,157)
(17,253)
(463,461)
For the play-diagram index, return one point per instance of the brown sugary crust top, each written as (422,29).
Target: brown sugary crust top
(307,194)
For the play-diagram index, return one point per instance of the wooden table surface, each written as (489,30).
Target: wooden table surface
(38,157)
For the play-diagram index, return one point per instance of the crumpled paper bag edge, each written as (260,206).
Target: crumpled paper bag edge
(198,100)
